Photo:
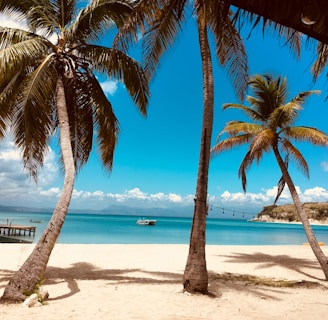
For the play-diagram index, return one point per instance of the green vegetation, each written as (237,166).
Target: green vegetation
(314,210)
(272,128)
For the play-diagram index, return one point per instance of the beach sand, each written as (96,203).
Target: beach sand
(122,282)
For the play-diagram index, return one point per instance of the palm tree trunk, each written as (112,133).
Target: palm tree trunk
(322,259)
(30,274)
(195,278)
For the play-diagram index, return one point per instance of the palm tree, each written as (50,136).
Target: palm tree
(162,21)
(272,129)
(48,87)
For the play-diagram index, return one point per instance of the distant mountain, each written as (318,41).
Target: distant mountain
(113,210)
(178,211)
(317,212)
(148,212)
(23,209)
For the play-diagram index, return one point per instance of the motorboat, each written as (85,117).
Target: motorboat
(146,222)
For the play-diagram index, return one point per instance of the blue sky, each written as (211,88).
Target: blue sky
(156,159)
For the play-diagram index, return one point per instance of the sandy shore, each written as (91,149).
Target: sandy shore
(121,282)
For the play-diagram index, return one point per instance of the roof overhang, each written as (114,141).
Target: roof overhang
(309,17)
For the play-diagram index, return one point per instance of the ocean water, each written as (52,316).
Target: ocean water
(115,229)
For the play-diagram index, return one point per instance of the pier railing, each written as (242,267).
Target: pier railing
(17,230)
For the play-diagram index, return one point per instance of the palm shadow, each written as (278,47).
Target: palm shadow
(266,261)
(88,271)
(221,287)
(5,276)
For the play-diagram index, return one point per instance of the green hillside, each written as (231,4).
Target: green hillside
(316,211)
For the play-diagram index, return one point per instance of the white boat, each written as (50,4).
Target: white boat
(146,222)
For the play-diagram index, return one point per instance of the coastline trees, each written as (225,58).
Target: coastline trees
(272,129)
(162,20)
(48,87)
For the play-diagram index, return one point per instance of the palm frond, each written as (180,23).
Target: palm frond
(296,156)
(139,19)
(18,9)
(284,115)
(290,36)
(10,36)
(306,134)
(282,182)
(270,94)
(64,11)
(300,98)
(230,143)
(280,188)
(22,6)
(36,14)
(251,113)
(165,25)
(230,49)
(42,19)
(41,83)
(79,101)
(244,166)
(234,128)
(32,123)
(321,61)
(8,96)
(20,55)
(122,67)
(96,18)
(129,71)
(106,123)
(261,143)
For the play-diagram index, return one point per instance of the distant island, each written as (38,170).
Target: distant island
(317,213)
(184,211)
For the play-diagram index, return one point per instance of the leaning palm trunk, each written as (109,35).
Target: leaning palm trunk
(195,278)
(322,259)
(30,274)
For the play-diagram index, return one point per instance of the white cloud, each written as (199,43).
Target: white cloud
(52,192)
(175,198)
(15,182)
(9,152)
(16,188)
(272,193)
(109,86)
(316,194)
(156,199)
(10,22)
(15,21)
(267,196)
(324,166)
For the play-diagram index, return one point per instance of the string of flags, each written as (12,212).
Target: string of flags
(234,212)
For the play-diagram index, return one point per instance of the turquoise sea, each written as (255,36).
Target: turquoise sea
(102,229)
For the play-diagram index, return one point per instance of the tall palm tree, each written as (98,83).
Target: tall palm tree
(161,21)
(48,87)
(272,129)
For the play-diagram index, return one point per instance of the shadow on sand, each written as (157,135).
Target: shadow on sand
(217,285)
(266,261)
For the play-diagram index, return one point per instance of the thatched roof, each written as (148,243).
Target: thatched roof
(307,16)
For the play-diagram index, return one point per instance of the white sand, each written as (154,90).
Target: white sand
(145,282)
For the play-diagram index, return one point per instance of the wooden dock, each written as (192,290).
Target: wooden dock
(16,230)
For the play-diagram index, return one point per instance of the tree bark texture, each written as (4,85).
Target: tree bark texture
(195,279)
(313,242)
(30,274)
